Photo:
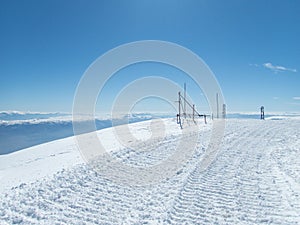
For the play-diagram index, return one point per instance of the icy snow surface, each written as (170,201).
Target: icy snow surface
(255,179)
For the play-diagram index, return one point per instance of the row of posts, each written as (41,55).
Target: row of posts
(262,109)
(184,110)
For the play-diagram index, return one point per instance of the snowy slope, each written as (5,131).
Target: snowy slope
(254,179)
(46,159)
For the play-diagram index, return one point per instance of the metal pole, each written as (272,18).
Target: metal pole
(217,105)
(194,112)
(179,107)
(184,105)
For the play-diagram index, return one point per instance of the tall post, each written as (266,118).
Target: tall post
(194,112)
(179,102)
(217,97)
(224,111)
(184,103)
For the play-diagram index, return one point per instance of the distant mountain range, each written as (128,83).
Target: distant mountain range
(19,130)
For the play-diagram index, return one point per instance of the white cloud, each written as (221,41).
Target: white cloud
(278,68)
(253,64)
(275,98)
(296,98)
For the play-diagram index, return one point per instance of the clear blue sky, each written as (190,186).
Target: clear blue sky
(252,46)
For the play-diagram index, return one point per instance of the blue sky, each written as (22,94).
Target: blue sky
(251,46)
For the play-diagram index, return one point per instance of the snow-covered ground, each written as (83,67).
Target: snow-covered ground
(254,179)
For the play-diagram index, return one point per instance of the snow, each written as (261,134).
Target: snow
(30,129)
(254,179)
(46,159)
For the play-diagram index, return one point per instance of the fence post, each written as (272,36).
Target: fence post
(194,113)
(179,105)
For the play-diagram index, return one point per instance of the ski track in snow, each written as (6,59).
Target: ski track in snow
(253,180)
